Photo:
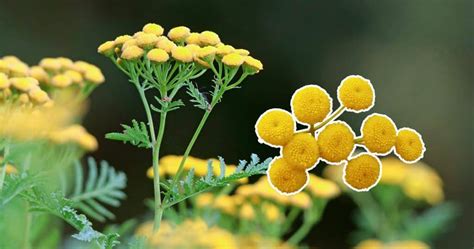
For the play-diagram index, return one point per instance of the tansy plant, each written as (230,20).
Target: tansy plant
(158,65)
(330,141)
(42,183)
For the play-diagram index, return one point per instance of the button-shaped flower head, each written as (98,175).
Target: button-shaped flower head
(336,142)
(356,93)
(301,151)
(233,60)
(285,178)
(132,53)
(179,34)
(311,104)
(252,65)
(362,172)
(4,81)
(207,38)
(379,133)
(153,28)
(275,127)
(409,145)
(106,48)
(182,54)
(158,55)
(24,84)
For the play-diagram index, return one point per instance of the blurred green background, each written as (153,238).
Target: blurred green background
(417,53)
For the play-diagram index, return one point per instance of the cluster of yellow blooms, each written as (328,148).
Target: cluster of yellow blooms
(259,197)
(407,177)
(376,244)
(332,141)
(198,234)
(169,166)
(181,45)
(28,96)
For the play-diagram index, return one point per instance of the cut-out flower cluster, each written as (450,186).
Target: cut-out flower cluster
(333,142)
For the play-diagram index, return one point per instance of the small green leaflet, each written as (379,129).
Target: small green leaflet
(136,134)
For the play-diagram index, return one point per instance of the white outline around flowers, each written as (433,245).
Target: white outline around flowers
(311,86)
(423,149)
(279,191)
(353,148)
(362,134)
(371,86)
(260,139)
(376,181)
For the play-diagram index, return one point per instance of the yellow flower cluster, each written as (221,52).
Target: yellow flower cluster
(262,190)
(406,176)
(75,134)
(377,244)
(333,142)
(196,232)
(179,44)
(62,72)
(169,165)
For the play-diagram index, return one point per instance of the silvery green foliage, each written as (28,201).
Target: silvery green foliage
(56,204)
(101,188)
(197,97)
(136,134)
(192,185)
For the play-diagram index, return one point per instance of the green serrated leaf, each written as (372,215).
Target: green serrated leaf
(137,135)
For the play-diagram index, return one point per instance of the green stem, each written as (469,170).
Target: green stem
(294,212)
(6,151)
(303,230)
(26,234)
(331,117)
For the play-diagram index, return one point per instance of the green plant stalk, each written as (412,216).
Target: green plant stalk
(294,212)
(331,117)
(6,151)
(303,230)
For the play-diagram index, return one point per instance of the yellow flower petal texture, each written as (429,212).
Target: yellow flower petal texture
(311,104)
(301,151)
(379,133)
(362,172)
(409,145)
(285,178)
(336,142)
(275,127)
(356,93)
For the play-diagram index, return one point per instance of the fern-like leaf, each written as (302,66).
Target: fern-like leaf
(136,134)
(197,97)
(101,187)
(192,186)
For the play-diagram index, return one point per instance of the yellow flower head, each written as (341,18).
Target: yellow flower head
(394,171)
(233,60)
(24,98)
(75,134)
(336,142)
(132,53)
(272,212)
(75,76)
(166,45)
(94,75)
(146,40)
(322,188)
(409,145)
(284,178)
(207,38)
(129,43)
(379,133)
(65,62)
(50,64)
(39,96)
(193,38)
(429,189)
(356,93)
(107,48)
(362,172)
(179,34)
(120,40)
(311,104)
(158,55)
(153,28)
(301,151)
(241,51)
(275,127)
(4,81)
(301,200)
(223,50)
(182,54)
(370,244)
(39,73)
(207,53)
(247,212)
(252,65)
(61,81)
(24,84)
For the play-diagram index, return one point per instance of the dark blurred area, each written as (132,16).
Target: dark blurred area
(417,53)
